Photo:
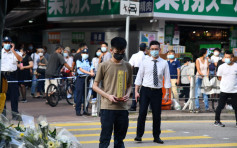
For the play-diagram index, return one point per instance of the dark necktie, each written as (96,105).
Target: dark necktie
(155,74)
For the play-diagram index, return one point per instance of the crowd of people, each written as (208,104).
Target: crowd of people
(144,71)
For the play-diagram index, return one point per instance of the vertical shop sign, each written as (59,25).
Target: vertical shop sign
(97,37)
(54,37)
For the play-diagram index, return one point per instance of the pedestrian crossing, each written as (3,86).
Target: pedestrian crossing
(88,134)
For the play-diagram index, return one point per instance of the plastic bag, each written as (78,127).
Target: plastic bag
(176,105)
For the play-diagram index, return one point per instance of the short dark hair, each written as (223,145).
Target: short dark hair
(82,44)
(217,49)
(119,43)
(187,59)
(105,43)
(171,51)
(59,46)
(229,52)
(154,43)
(202,52)
(97,51)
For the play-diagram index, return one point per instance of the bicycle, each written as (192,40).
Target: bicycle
(64,90)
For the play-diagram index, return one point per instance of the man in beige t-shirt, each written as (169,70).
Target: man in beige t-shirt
(116,76)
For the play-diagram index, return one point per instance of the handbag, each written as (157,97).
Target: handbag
(40,71)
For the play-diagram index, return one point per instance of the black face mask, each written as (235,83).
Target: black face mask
(118,56)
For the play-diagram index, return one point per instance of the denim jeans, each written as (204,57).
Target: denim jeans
(34,83)
(197,91)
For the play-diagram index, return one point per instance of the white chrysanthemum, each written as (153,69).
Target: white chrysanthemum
(43,124)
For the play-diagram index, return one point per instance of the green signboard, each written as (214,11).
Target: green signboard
(78,37)
(72,8)
(202,9)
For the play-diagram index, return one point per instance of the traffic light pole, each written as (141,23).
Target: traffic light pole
(127,35)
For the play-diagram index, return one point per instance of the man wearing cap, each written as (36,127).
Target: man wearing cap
(84,68)
(55,64)
(10,59)
(135,62)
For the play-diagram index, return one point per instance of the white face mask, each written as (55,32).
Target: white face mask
(41,54)
(216,53)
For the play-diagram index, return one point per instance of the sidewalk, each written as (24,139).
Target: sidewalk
(64,112)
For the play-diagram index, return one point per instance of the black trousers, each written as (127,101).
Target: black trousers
(116,120)
(13,91)
(222,102)
(185,91)
(80,88)
(154,98)
(134,103)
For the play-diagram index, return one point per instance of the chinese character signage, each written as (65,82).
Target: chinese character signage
(146,6)
(54,37)
(197,9)
(72,8)
(97,37)
(78,37)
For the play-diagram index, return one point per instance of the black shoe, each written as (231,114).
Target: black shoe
(16,117)
(218,123)
(132,109)
(86,113)
(158,140)
(23,101)
(78,114)
(138,139)
(236,124)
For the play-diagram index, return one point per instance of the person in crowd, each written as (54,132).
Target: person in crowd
(114,113)
(135,62)
(42,65)
(95,60)
(54,66)
(84,68)
(106,55)
(35,56)
(185,78)
(174,66)
(76,57)
(30,49)
(150,76)
(66,53)
(24,73)
(73,51)
(46,55)
(202,66)
(216,56)
(212,67)
(9,61)
(227,74)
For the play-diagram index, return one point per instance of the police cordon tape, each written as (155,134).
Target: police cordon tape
(59,78)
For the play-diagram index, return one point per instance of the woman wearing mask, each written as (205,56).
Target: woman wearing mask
(95,60)
(66,53)
(42,63)
(24,73)
(202,66)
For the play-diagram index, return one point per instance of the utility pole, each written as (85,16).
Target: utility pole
(3,9)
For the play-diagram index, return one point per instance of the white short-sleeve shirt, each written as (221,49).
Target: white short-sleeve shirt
(228,74)
(9,61)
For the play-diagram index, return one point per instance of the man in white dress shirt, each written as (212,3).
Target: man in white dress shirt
(135,62)
(9,63)
(150,76)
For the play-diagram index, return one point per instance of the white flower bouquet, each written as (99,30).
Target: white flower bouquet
(29,135)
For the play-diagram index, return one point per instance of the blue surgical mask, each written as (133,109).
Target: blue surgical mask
(103,49)
(7,46)
(84,56)
(171,56)
(31,47)
(65,54)
(154,53)
(227,61)
(98,54)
